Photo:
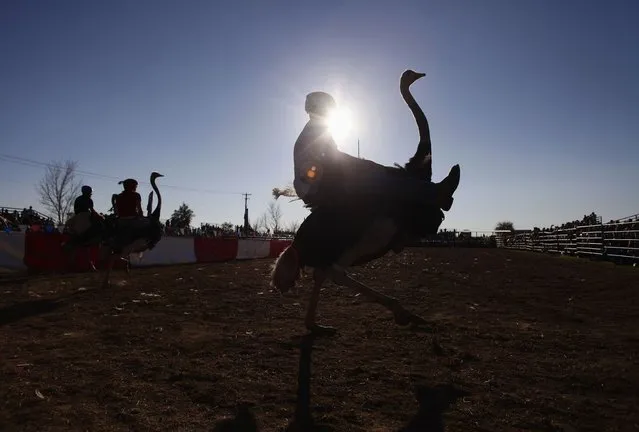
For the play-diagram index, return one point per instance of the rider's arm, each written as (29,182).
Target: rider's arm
(138,204)
(315,152)
(91,209)
(76,205)
(329,146)
(114,204)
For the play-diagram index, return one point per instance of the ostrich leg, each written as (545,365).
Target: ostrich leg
(71,251)
(319,276)
(107,259)
(402,316)
(128,265)
(107,272)
(377,237)
(91,263)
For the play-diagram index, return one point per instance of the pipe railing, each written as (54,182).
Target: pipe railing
(618,241)
(11,210)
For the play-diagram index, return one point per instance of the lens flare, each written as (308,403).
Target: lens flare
(340,123)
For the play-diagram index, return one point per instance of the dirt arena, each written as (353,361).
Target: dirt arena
(517,341)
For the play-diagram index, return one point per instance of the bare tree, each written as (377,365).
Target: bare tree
(256,225)
(274,217)
(293,226)
(260,224)
(59,188)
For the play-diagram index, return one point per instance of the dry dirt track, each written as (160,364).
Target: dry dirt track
(520,341)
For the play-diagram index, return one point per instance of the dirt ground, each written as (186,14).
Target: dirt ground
(517,341)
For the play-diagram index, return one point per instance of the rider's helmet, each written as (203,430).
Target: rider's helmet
(129,184)
(319,103)
(86,190)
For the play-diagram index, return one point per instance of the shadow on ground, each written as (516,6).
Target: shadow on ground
(433,403)
(30,308)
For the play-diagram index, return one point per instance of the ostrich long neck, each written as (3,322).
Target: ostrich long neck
(156,213)
(424,147)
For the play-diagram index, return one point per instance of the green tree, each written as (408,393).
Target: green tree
(227,226)
(505,226)
(182,217)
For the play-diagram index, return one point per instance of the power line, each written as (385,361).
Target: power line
(37,164)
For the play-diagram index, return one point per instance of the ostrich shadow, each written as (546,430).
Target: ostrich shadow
(433,403)
(30,308)
(244,420)
(303,419)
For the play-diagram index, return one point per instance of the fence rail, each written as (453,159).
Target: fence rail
(615,241)
(10,210)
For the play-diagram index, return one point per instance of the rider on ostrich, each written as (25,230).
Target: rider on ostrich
(84,205)
(135,233)
(128,207)
(349,231)
(324,174)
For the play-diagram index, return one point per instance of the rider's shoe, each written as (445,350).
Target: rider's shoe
(447,187)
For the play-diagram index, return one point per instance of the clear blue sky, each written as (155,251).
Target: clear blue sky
(537,100)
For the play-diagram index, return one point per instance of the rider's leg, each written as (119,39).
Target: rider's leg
(124,228)
(129,226)
(87,234)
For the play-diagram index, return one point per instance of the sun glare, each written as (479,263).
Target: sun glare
(340,122)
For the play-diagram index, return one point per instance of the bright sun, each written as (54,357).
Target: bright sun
(340,122)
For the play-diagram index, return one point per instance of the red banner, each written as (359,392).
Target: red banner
(212,249)
(277,246)
(43,252)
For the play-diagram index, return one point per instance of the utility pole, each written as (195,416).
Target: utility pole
(246,218)
(358,149)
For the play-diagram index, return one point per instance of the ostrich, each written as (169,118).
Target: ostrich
(105,228)
(77,225)
(118,246)
(353,233)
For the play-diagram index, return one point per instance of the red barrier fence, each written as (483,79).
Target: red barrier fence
(277,246)
(209,249)
(43,251)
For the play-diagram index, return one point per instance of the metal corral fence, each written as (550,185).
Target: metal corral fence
(455,238)
(614,241)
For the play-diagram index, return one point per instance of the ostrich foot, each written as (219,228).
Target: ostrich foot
(127,265)
(320,330)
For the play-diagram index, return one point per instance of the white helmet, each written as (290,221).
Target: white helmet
(319,103)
